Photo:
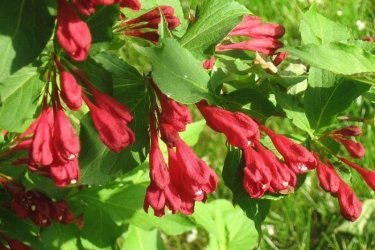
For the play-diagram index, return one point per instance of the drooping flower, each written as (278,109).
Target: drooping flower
(239,128)
(209,63)
(349,131)
(328,178)
(113,132)
(64,174)
(257,175)
(297,157)
(367,175)
(350,206)
(61,212)
(191,176)
(73,34)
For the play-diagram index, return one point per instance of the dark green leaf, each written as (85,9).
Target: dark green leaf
(328,95)
(21,38)
(215,20)
(61,237)
(19,95)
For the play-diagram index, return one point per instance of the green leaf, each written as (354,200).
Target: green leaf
(178,74)
(21,39)
(137,238)
(340,58)
(19,99)
(98,163)
(61,237)
(228,226)
(255,209)
(318,29)
(215,19)
(327,95)
(293,110)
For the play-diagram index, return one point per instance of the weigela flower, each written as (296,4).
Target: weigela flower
(191,176)
(145,26)
(113,132)
(85,7)
(209,63)
(349,131)
(283,179)
(257,175)
(64,174)
(350,206)
(73,34)
(239,128)
(66,142)
(297,157)
(71,92)
(328,178)
(41,146)
(367,175)
(355,149)
(61,212)
(13,243)
(279,58)
(263,37)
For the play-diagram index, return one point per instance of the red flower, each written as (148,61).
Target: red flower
(64,174)
(41,147)
(328,178)
(61,212)
(190,175)
(113,132)
(73,34)
(85,7)
(297,157)
(279,58)
(132,4)
(71,92)
(367,175)
(209,63)
(267,46)
(257,175)
(350,206)
(283,179)
(31,204)
(355,149)
(349,131)
(239,128)
(13,244)
(66,142)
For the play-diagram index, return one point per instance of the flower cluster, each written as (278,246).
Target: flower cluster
(260,37)
(186,179)
(38,207)
(145,26)
(72,32)
(51,140)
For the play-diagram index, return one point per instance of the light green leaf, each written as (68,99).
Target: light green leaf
(21,39)
(60,237)
(178,74)
(137,238)
(228,226)
(19,99)
(337,57)
(215,19)
(327,95)
(318,29)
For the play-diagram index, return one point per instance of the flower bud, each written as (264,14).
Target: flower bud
(350,206)
(71,92)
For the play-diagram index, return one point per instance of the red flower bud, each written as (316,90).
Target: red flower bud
(239,128)
(132,4)
(71,92)
(350,206)
(112,130)
(66,142)
(73,34)
(64,174)
(328,178)
(61,212)
(248,22)
(280,57)
(355,149)
(209,63)
(41,147)
(349,131)
(367,175)
(190,175)
(298,158)
(257,175)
